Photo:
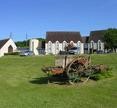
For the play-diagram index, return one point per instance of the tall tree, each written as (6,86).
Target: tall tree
(110,38)
(23,44)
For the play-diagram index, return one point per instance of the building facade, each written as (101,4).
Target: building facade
(96,41)
(38,47)
(33,46)
(7,46)
(57,41)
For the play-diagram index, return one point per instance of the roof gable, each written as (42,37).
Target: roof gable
(63,36)
(3,42)
(97,35)
(85,39)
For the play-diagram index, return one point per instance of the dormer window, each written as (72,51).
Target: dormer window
(64,45)
(99,45)
(92,45)
(71,43)
(49,46)
(79,44)
(57,45)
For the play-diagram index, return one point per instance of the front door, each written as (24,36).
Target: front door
(10,49)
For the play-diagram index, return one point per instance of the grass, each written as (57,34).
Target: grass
(20,86)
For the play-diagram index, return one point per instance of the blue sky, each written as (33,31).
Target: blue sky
(38,16)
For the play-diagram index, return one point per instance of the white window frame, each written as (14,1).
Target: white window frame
(78,47)
(99,45)
(64,45)
(57,46)
(92,44)
(49,47)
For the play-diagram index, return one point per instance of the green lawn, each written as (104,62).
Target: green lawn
(20,86)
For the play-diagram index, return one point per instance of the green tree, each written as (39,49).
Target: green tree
(110,38)
(22,44)
(25,43)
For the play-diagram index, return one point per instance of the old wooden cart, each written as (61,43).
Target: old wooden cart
(73,68)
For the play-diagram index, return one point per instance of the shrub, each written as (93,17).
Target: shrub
(12,53)
(101,75)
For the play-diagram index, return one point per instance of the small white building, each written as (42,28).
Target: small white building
(33,46)
(37,46)
(7,46)
(57,41)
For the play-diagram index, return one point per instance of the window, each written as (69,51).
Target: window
(50,47)
(99,45)
(92,45)
(57,47)
(79,46)
(72,43)
(64,45)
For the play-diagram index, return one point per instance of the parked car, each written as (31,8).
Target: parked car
(26,53)
(73,50)
(63,52)
(100,52)
(109,51)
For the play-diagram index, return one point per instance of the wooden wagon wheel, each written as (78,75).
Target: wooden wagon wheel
(75,71)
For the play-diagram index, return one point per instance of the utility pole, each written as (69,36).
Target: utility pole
(26,39)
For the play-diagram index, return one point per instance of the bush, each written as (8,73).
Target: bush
(101,75)
(12,53)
